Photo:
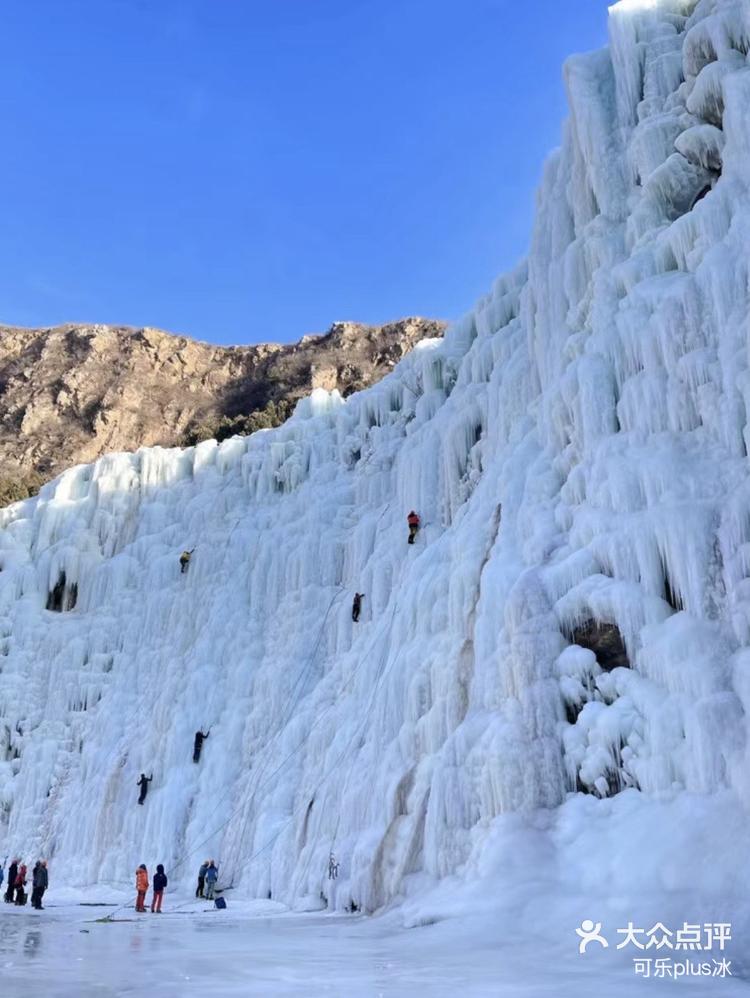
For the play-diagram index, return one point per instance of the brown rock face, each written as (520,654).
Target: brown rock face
(72,393)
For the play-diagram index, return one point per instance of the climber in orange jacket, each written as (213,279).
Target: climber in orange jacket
(413,521)
(141,886)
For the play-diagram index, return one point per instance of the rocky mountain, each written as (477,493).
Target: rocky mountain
(74,392)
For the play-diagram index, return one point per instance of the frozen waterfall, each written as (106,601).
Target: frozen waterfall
(565,646)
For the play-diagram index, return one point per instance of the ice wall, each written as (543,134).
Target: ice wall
(570,629)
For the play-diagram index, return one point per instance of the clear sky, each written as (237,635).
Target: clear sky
(250,170)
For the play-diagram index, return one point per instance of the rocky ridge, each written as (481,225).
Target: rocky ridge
(73,392)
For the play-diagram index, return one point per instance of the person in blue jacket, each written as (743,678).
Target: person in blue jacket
(212,875)
(160,882)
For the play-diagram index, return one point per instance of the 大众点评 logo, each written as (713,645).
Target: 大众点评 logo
(690,938)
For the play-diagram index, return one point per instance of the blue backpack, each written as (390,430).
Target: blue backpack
(220,903)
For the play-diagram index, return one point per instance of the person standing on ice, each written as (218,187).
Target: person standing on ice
(413,520)
(143,784)
(20,884)
(198,744)
(357,606)
(160,882)
(12,874)
(212,875)
(185,560)
(36,884)
(43,883)
(201,879)
(141,886)
(39,880)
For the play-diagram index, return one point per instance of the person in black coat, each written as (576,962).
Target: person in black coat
(160,882)
(357,606)
(40,881)
(143,784)
(12,874)
(36,884)
(198,744)
(201,879)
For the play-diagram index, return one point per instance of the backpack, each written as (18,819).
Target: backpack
(220,903)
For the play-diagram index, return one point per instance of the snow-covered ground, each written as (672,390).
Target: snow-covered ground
(542,712)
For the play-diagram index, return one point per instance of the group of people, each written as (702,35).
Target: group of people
(141,886)
(15,892)
(208,874)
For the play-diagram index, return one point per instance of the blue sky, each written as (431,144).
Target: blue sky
(253,170)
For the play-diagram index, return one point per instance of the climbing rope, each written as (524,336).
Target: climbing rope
(357,734)
(294,698)
(291,707)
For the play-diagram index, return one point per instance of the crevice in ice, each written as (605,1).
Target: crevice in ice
(306,823)
(63,597)
(701,194)
(604,640)
(671,594)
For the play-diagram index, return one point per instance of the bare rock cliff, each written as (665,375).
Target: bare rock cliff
(71,393)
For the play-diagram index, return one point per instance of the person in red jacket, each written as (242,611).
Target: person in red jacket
(413,521)
(20,884)
(141,886)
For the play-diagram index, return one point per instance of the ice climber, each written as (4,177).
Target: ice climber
(413,520)
(12,874)
(141,886)
(160,882)
(185,560)
(143,784)
(201,879)
(198,744)
(357,606)
(212,875)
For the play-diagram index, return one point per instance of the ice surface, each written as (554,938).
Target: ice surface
(577,450)
(66,953)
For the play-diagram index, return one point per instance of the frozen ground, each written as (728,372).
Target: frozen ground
(65,953)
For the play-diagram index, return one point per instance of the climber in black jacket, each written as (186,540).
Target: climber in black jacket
(198,744)
(143,784)
(357,606)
